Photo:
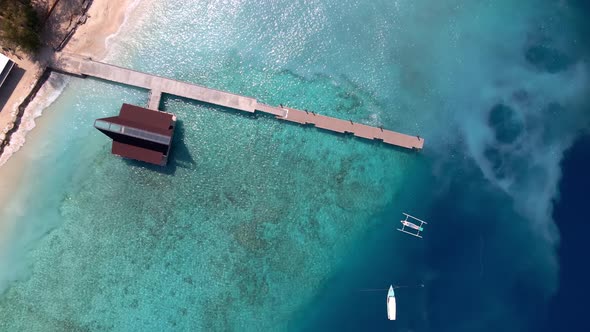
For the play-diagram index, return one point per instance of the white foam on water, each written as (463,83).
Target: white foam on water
(122,44)
(16,240)
(109,40)
(51,90)
(489,79)
(46,95)
(486,70)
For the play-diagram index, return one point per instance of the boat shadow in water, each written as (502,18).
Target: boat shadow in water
(179,155)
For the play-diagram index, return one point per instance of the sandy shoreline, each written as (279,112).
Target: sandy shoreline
(105,18)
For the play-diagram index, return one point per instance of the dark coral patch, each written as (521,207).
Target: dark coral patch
(496,160)
(506,125)
(547,58)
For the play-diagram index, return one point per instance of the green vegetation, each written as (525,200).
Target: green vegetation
(19,25)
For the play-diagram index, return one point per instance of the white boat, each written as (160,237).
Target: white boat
(391,304)
(414,229)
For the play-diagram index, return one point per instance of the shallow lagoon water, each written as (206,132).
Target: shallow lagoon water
(262,225)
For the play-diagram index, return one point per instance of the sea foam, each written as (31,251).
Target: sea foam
(48,93)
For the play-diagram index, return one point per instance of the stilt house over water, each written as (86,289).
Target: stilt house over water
(140,133)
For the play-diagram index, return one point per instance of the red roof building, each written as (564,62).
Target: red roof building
(140,133)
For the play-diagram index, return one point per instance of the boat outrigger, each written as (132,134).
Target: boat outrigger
(391,307)
(414,229)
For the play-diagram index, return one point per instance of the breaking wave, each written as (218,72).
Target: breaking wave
(48,93)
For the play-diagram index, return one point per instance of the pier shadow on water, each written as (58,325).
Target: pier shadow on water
(168,100)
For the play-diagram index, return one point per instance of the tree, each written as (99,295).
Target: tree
(19,25)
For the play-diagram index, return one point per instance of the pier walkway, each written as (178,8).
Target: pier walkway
(79,66)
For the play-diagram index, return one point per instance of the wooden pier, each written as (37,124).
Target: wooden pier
(77,65)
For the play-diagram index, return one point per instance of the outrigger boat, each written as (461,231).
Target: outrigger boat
(414,229)
(391,307)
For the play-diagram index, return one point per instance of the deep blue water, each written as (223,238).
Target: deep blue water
(260,226)
(475,257)
(568,309)
(462,260)
(479,261)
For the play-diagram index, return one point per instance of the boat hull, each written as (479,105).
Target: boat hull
(391,305)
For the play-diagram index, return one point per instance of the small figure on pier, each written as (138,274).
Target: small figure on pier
(281,105)
(306,112)
(351,122)
(418,137)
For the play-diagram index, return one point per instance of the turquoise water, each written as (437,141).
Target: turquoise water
(261,225)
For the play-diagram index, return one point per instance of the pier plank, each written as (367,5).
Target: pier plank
(77,65)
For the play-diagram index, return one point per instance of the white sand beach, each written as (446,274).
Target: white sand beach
(105,18)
